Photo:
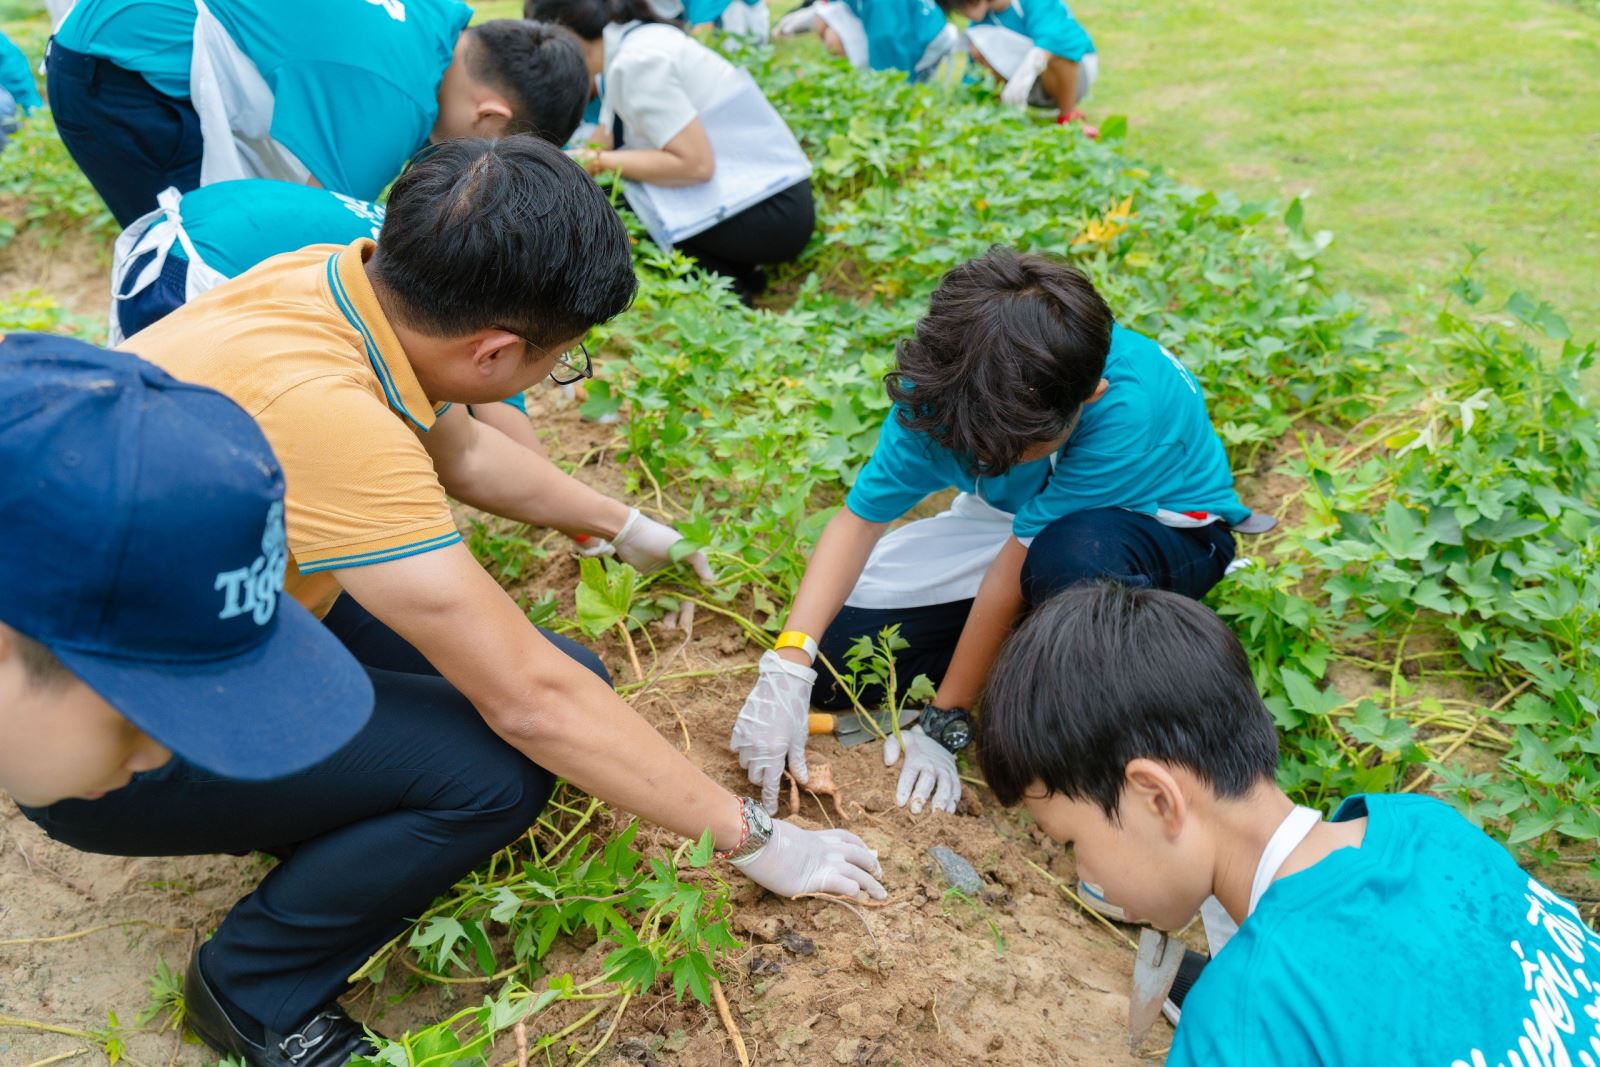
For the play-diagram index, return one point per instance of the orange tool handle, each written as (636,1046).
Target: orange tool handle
(819,723)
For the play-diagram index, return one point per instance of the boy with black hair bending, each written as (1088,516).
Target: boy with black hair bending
(1082,450)
(1127,721)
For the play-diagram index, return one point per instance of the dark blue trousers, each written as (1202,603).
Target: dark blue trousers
(1086,546)
(166,294)
(131,140)
(369,837)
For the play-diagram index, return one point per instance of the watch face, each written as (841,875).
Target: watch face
(956,735)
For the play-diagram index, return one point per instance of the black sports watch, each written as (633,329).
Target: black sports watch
(951,727)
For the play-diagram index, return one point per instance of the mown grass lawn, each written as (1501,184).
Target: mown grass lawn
(1410,126)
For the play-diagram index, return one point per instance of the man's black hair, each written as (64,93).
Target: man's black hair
(1103,674)
(589,18)
(540,71)
(507,233)
(1011,347)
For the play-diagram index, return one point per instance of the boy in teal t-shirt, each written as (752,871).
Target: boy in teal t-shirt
(1397,933)
(1081,450)
(354,88)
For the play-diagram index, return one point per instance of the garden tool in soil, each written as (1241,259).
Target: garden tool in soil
(852,729)
(1155,968)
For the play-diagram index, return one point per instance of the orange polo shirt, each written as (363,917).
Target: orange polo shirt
(301,343)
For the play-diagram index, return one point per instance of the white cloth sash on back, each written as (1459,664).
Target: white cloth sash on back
(936,560)
(155,232)
(235,108)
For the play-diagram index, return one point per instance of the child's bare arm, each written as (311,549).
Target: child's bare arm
(995,609)
(835,566)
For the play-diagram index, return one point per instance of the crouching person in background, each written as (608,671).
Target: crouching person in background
(710,167)
(908,35)
(1128,723)
(1037,49)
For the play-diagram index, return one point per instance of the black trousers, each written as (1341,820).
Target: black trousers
(129,138)
(775,230)
(371,835)
(1086,546)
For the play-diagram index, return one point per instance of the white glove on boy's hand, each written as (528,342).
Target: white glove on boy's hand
(803,20)
(1020,84)
(814,861)
(771,728)
(930,768)
(646,545)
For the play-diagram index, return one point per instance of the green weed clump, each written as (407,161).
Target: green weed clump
(43,190)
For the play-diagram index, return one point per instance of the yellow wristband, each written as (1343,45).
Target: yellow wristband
(797,639)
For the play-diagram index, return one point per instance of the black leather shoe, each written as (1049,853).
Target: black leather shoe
(328,1039)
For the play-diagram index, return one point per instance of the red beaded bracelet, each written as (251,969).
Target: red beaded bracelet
(744,833)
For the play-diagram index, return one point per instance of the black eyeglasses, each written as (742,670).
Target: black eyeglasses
(573,365)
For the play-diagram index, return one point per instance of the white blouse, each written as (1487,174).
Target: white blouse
(658,79)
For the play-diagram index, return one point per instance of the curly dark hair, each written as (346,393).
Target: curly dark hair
(1012,346)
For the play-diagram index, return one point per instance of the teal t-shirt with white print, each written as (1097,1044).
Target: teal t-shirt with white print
(354,82)
(1048,23)
(235,225)
(1147,445)
(1427,945)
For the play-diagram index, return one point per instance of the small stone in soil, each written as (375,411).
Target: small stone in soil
(800,946)
(764,968)
(958,873)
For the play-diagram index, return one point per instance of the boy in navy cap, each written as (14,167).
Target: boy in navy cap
(123,636)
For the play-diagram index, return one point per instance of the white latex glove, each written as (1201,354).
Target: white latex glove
(814,861)
(1020,84)
(771,727)
(594,546)
(803,20)
(930,768)
(646,545)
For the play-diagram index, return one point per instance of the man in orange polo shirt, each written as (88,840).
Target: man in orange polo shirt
(358,363)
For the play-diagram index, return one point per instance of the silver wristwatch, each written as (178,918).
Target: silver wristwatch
(760,824)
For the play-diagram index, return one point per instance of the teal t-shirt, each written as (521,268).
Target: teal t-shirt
(1427,945)
(698,12)
(1146,445)
(235,225)
(154,38)
(1048,23)
(898,31)
(354,82)
(16,75)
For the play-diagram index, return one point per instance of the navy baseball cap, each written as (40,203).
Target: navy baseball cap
(143,544)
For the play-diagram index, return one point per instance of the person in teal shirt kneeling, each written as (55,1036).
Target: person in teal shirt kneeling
(908,35)
(1128,723)
(1036,48)
(336,93)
